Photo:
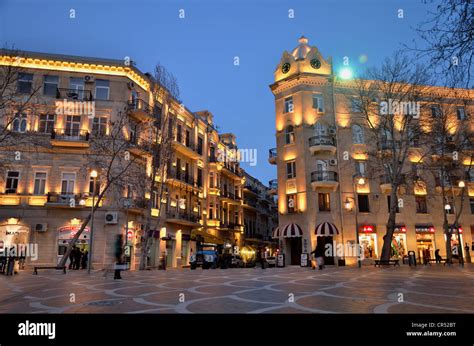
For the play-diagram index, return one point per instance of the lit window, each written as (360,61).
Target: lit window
(40,183)
(291,169)
(289,135)
(67,183)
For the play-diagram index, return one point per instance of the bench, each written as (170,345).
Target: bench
(386,262)
(35,272)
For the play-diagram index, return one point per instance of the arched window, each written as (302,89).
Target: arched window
(289,134)
(357,134)
(19,123)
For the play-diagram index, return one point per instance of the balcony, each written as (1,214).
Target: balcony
(74,94)
(232,170)
(324,180)
(250,189)
(63,200)
(139,110)
(250,204)
(450,184)
(272,156)
(230,198)
(186,147)
(443,153)
(140,146)
(182,218)
(273,185)
(230,226)
(70,138)
(322,144)
(386,184)
(179,177)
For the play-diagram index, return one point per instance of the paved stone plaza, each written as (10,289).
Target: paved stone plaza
(424,289)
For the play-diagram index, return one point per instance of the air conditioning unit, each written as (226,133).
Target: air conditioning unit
(332,131)
(41,227)
(89,79)
(131,85)
(111,218)
(333,162)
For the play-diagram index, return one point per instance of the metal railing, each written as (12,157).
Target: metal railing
(272,153)
(324,176)
(70,134)
(322,140)
(273,184)
(171,214)
(74,94)
(182,176)
(138,105)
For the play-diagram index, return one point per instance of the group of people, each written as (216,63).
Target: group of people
(10,264)
(78,258)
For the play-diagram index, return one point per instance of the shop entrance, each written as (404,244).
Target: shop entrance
(425,246)
(399,249)
(368,244)
(322,246)
(13,235)
(296,250)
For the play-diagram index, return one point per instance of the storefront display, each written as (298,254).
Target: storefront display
(399,241)
(368,241)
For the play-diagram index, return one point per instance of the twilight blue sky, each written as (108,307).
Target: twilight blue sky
(199,49)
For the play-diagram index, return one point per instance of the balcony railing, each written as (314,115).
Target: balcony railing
(74,94)
(232,168)
(63,198)
(322,140)
(181,176)
(273,184)
(70,134)
(229,225)
(230,195)
(138,105)
(272,153)
(171,214)
(324,176)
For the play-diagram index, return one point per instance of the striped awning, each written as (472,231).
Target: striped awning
(292,230)
(325,229)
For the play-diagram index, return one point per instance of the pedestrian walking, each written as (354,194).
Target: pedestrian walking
(11,262)
(262,259)
(437,256)
(468,254)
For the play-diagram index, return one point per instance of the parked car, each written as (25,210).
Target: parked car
(205,259)
(271,261)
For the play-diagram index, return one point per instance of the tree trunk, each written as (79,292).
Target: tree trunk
(387,239)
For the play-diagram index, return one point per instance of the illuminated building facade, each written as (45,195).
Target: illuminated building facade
(47,193)
(315,127)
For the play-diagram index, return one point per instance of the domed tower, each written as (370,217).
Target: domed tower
(306,155)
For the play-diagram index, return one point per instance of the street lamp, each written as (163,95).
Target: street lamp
(94,175)
(461,184)
(360,181)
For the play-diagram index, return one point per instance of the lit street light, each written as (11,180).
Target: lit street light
(94,175)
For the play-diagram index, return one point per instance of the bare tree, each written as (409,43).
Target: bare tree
(387,103)
(165,93)
(450,142)
(448,35)
(110,156)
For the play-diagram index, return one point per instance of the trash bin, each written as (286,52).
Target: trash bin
(411,258)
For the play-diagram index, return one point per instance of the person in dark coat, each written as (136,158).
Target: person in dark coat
(72,257)
(118,255)
(437,256)
(77,259)
(11,262)
(85,258)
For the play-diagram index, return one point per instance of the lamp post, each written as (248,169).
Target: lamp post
(347,203)
(461,185)
(89,263)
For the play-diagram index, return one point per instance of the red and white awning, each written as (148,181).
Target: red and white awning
(292,230)
(326,229)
